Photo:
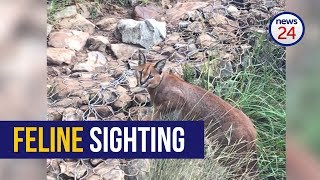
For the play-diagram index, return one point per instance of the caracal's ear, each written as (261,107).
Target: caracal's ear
(142,58)
(160,65)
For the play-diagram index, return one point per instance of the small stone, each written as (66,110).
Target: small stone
(72,114)
(156,48)
(192,16)
(49,29)
(184,24)
(107,24)
(109,96)
(259,15)
(137,113)
(192,47)
(179,9)
(98,43)
(225,69)
(97,58)
(141,99)
(139,168)
(69,102)
(132,81)
(70,39)
(233,11)
(77,22)
(104,111)
(219,20)
(59,56)
(68,11)
(141,13)
(173,39)
(174,68)
(123,51)
(54,114)
(109,170)
(196,27)
(94,60)
(133,2)
(119,117)
(93,177)
(123,100)
(206,40)
(168,50)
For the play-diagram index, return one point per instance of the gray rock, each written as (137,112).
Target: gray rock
(233,11)
(184,24)
(77,22)
(73,169)
(259,14)
(58,56)
(109,170)
(72,114)
(133,2)
(138,113)
(145,33)
(138,169)
(95,59)
(269,3)
(225,69)
(70,39)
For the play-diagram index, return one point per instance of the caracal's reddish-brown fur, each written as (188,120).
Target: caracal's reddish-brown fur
(172,95)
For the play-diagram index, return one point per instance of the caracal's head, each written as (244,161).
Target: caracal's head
(149,75)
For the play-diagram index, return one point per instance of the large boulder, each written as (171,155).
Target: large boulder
(144,33)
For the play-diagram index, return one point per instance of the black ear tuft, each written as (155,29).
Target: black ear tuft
(142,58)
(160,65)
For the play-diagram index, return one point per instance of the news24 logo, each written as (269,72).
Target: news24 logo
(287,29)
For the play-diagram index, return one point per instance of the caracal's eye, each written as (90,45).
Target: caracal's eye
(150,76)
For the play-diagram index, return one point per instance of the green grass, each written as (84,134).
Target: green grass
(259,90)
(55,6)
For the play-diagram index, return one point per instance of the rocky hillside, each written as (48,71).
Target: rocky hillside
(92,48)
